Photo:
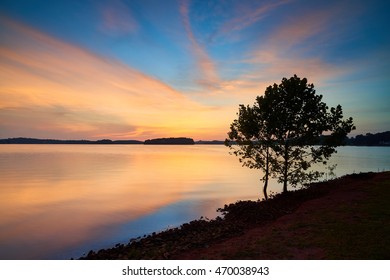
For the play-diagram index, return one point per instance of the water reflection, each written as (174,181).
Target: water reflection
(60,201)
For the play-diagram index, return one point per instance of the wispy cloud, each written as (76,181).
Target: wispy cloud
(306,30)
(246,15)
(206,67)
(49,86)
(294,47)
(117,18)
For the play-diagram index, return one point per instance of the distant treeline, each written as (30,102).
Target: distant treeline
(21,140)
(377,139)
(159,141)
(213,142)
(170,141)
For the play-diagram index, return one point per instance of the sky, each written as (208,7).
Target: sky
(142,69)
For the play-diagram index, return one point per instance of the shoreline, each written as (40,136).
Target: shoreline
(252,222)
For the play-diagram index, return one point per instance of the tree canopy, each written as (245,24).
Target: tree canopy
(286,131)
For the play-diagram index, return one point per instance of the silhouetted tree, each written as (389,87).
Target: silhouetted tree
(250,141)
(283,132)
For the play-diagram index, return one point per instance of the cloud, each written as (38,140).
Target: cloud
(246,15)
(49,86)
(308,29)
(267,56)
(296,46)
(208,74)
(117,18)
(64,123)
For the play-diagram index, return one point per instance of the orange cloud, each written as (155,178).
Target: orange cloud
(295,32)
(290,49)
(49,86)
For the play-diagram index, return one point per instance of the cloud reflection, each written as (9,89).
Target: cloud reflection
(74,198)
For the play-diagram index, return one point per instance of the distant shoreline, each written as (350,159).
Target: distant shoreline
(381,139)
(31,141)
(159,141)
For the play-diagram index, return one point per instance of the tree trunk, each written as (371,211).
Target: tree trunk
(285,171)
(265,189)
(265,184)
(285,185)
(266,174)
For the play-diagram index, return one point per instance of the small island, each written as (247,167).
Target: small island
(170,141)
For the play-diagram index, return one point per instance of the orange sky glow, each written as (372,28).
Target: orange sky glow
(59,87)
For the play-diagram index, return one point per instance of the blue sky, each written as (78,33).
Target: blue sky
(143,69)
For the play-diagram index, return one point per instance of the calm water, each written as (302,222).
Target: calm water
(60,201)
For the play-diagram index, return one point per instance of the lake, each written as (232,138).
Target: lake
(60,201)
